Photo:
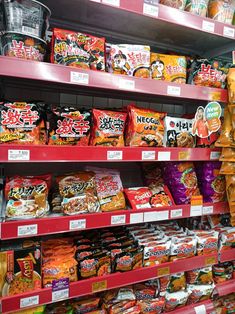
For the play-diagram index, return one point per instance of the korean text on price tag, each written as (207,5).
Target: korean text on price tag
(208,26)
(30,301)
(77,224)
(60,289)
(27,230)
(118,219)
(148,155)
(18,154)
(80,78)
(114,155)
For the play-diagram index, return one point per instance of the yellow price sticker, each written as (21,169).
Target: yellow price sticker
(184,155)
(99,286)
(163,271)
(210,261)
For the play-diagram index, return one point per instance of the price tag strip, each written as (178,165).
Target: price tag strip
(151,10)
(173,90)
(148,155)
(136,218)
(126,84)
(207,210)
(163,271)
(215,155)
(208,26)
(80,78)
(114,155)
(210,261)
(77,224)
(27,230)
(118,219)
(30,301)
(18,154)
(176,213)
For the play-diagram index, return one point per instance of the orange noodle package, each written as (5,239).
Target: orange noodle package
(230,187)
(22,123)
(108,128)
(145,127)
(226,137)
(27,196)
(176,282)
(231,85)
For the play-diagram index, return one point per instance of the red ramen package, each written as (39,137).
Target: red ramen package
(152,306)
(22,123)
(145,127)
(27,197)
(77,50)
(178,132)
(68,126)
(79,193)
(108,128)
(181,179)
(132,60)
(208,73)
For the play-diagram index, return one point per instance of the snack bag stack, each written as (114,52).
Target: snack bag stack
(227,142)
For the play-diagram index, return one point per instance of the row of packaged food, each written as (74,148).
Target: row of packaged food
(101,190)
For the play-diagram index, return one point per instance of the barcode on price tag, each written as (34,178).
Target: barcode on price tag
(114,155)
(78,77)
(195,210)
(148,155)
(175,213)
(126,84)
(30,301)
(115,3)
(18,154)
(229,32)
(151,10)
(200,309)
(207,210)
(215,155)
(27,230)
(173,90)
(208,26)
(118,219)
(136,218)
(77,224)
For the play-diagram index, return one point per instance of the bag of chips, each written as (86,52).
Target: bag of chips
(108,128)
(145,127)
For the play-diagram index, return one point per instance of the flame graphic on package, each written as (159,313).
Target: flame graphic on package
(26,267)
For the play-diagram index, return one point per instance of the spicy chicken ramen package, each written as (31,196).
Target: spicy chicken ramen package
(108,128)
(145,127)
(68,126)
(22,123)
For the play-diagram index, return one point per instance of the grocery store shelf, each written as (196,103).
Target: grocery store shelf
(97,80)
(132,21)
(227,255)
(54,225)
(201,307)
(226,287)
(46,153)
(96,284)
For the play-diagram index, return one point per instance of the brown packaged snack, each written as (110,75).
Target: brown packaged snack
(226,137)
(227,168)
(228,154)
(231,85)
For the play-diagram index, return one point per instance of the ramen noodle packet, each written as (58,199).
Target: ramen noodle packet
(228,154)
(227,239)
(22,123)
(77,50)
(36,310)
(144,292)
(211,183)
(207,241)
(177,4)
(176,282)
(109,189)
(230,188)
(132,60)
(145,127)
(168,68)
(156,252)
(176,300)
(221,10)
(200,276)
(226,137)
(85,305)
(79,193)
(20,267)
(222,272)
(152,306)
(182,247)
(108,128)
(68,126)
(197,7)
(152,173)
(26,197)
(98,264)
(128,260)
(181,179)
(199,293)
(210,73)
(178,132)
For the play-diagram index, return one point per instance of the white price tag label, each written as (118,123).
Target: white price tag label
(118,219)
(148,155)
(207,210)
(164,156)
(149,216)
(200,309)
(126,84)
(18,154)
(215,155)
(151,10)
(173,90)
(176,213)
(30,301)
(229,32)
(195,210)
(60,295)
(162,215)
(115,3)
(136,218)
(80,78)
(27,230)
(77,224)
(99,1)
(114,155)
(208,26)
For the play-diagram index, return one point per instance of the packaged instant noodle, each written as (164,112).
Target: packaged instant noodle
(230,188)
(132,60)
(26,197)
(177,4)
(197,7)
(168,68)
(108,128)
(228,154)
(211,183)
(78,50)
(152,306)
(156,252)
(145,127)
(182,247)
(175,300)
(207,241)
(178,132)
(221,10)
(226,138)
(222,272)
(199,293)
(227,239)
(152,173)
(181,179)
(176,282)
(231,85)
(85,305)
(79,193)
(200,276)
(68,126)
(22,123)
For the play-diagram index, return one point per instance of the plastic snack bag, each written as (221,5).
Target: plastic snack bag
(228,154)
(176,282)
(177,4)
(145,127)
(221,10)
(108,128)
(231,85)
(200,276)
(226,137)
(175,300)
(152,306)
(197,7)
(199,293)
